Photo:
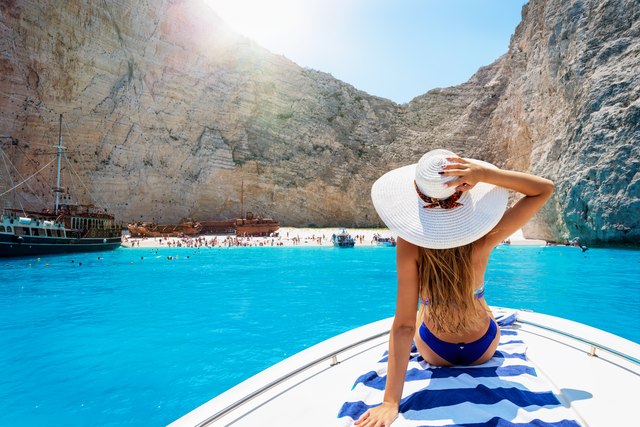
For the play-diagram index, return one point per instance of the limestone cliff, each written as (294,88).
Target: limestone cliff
(563,103)
(573,95)
(168,114)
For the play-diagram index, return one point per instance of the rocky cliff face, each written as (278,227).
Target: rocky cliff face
(168,115)
(563,103)
(573,92)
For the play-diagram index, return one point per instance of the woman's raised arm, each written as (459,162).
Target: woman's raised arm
(536,190)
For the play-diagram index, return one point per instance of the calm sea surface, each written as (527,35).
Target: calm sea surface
(137,339)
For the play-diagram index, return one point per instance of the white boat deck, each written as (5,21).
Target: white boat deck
(310,387)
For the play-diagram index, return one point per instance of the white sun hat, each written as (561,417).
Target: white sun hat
(427,223)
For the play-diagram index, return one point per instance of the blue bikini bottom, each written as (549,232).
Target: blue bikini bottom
(459,354)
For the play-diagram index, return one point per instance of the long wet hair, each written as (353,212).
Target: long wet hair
(447,282)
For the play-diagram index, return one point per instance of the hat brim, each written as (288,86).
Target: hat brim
(400,208)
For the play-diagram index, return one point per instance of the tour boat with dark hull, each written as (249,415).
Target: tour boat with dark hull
(69,227)
(24,233)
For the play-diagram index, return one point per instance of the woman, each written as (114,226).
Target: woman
(449,214)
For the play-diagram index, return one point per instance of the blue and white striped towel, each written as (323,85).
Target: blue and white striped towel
(503,392)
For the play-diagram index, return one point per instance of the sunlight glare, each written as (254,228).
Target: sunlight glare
(267,22)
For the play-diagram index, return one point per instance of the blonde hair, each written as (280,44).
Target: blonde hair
(447,282)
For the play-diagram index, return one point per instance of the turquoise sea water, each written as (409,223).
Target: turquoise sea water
(137,339)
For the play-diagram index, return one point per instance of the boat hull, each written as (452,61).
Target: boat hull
(163,230)
(256,230)
(11,246)
(227,227)
(343,241)
(599,389)
(345,244)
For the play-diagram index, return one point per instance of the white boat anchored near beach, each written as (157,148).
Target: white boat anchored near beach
(343,239)
(549,369)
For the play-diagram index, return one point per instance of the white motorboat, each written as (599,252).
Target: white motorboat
(342,239)
(594,374)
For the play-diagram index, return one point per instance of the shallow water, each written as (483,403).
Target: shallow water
(137,339)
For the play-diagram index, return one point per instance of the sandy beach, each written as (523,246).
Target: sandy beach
(287,236)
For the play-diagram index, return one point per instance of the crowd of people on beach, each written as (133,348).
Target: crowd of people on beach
(284,239)
(276,239)
(202,242)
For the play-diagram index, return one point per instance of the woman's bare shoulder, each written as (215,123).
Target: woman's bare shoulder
(406,250)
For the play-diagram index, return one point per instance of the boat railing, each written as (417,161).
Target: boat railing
(331,357)
(593,346)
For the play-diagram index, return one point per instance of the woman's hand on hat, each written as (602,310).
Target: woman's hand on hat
(468,173)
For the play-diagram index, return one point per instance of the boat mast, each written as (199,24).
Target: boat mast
(59,147)
(242,199)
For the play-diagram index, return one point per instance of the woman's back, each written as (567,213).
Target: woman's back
(453,324)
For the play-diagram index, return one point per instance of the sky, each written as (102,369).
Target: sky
(396,49)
